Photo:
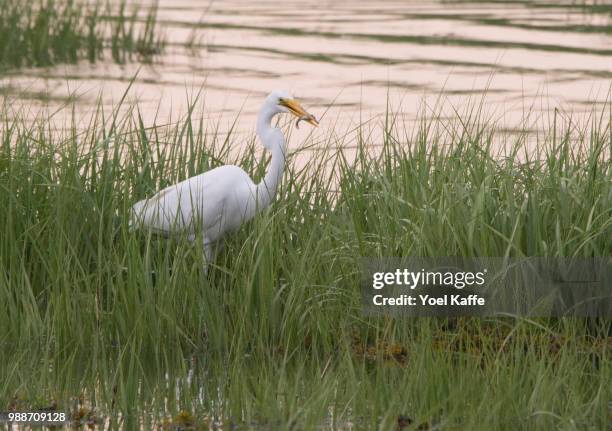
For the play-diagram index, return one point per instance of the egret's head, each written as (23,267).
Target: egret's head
(285,102)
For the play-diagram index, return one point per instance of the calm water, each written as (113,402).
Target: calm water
(527,55)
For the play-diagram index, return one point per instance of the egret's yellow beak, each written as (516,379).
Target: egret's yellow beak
(296,109)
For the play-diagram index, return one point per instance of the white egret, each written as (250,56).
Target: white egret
(222,199)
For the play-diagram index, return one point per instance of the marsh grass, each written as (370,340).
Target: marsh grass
(47,32)
(273,337)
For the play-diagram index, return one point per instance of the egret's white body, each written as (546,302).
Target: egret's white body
(222,199)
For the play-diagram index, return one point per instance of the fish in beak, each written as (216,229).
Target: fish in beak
(296,109)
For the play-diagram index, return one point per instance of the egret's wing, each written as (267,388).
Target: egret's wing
(181,207)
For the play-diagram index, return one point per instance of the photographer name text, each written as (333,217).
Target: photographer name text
(430,301)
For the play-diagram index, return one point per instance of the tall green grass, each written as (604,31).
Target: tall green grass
(127,325)
(46,32)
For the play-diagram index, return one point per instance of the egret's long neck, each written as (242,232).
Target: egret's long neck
(266,189)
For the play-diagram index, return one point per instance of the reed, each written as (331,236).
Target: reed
(47,32)
(126,325)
